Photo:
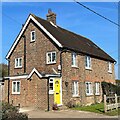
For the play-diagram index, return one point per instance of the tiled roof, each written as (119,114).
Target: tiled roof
(72,41)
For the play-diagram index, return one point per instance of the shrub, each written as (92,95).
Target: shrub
(70,104)
(10,112)
(55,107)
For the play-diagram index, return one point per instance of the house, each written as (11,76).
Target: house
(48,64)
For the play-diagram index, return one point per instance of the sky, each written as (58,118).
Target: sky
(70,16)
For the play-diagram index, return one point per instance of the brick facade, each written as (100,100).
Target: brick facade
(33,92)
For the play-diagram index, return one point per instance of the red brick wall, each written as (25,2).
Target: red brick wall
(34,92)
(98,73)
(35,53)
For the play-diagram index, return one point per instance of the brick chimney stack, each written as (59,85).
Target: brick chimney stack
(51,16)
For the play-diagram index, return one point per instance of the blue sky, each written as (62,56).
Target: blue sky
(70,16)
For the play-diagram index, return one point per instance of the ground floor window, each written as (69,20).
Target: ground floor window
(15,87)
(97,88)
(89,88)
(51,86)
(75,88)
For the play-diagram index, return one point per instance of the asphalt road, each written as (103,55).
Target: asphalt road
(63,114)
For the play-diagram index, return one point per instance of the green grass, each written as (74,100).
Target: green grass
(97,108)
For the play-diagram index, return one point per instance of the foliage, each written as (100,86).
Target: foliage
(3,70)
(70,104)
(10,112)
(110,89)
(55,106)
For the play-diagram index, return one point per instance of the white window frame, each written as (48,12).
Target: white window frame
(34,36)
(88,62)
(97,88)
(109,67)
(75,89)
(47,57)
(18,65)
(51,91)
(74,59)
(16,92)
(90,88)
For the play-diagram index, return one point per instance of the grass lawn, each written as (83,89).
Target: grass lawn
(97,108)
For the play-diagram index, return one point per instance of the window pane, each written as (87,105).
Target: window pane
(73,88)
(14,86)
(74,60)
(97,88)
(87,87)
(86,61)
(49,57)
(16,62)
(18,86)
(53,57)
(50,84)
(91,88)
(20,62)
(33,35)
(76,83)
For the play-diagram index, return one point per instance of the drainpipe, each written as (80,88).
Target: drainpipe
(8,81)
(24,53)
(48,109)
(61,51)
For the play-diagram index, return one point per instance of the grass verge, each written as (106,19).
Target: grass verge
(97,108)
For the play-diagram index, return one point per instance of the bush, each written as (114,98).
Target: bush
(55,107)
(110,89)
(10,112)
(70,104)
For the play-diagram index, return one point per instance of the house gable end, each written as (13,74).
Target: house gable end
(31,17)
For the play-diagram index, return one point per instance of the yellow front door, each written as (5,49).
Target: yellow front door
(57,90)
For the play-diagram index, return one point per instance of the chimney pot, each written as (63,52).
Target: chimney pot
(51,16)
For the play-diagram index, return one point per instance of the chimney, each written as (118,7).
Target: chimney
(51,16)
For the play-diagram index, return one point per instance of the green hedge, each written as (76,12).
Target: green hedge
(110,89)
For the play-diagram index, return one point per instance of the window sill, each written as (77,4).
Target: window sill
(73,66)
(51,63)
(15,93)
(18,67)
(97,94)
(88,68)
(110,72)
(32,41)
(76,96)
(89,95)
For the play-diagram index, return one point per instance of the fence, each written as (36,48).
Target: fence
(111,102)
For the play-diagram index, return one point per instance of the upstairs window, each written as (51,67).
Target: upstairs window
(89,88)
(75,88)
(74,60)
(87,62)
(97,88)
(15,87)
(33,36)
(51,57)
(18,62)
(109,67)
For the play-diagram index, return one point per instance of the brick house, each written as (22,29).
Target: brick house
(50,64)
